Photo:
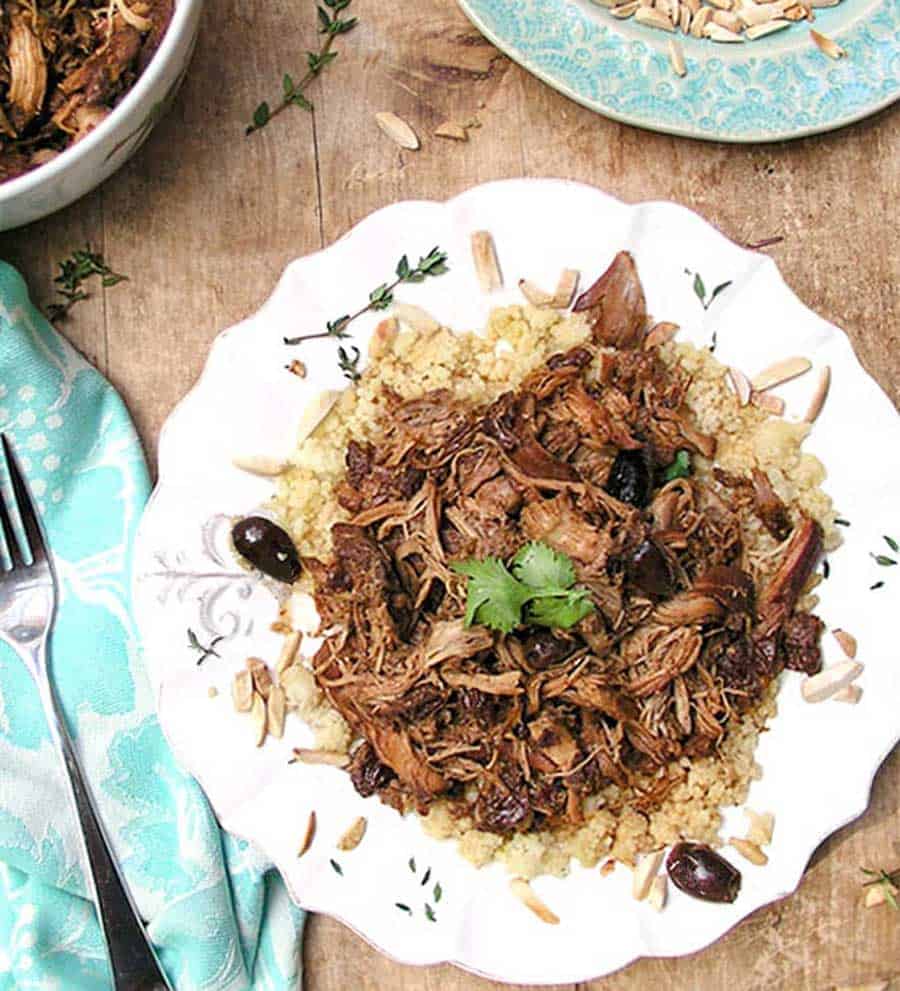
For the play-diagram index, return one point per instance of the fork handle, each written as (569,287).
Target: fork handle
(133,961)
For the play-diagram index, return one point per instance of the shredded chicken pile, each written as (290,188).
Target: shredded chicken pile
(516,731)
(64,64)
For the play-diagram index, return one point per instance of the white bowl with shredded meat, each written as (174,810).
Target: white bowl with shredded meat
(86,83)
(473,775)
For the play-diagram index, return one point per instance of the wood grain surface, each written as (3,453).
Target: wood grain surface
(203,220)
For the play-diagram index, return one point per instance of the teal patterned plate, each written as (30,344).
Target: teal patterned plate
(770,89)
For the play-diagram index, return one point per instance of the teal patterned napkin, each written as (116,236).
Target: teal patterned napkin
(217,911)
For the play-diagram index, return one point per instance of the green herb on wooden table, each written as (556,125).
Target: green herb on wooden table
(73,273)
(889,882)
(330,26)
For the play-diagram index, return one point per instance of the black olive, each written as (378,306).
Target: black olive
(543,650)
(267,547)
(702,873)
(631,478)
(651,571)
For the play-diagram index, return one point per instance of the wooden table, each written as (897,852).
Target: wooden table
(203,220)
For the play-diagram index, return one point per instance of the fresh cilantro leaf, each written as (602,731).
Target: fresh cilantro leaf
(493,597)
(538,565)
(679,468)
(560,611)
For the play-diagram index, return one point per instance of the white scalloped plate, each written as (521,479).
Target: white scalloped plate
(818,760)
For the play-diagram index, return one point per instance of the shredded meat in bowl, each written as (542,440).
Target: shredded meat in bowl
(516,730)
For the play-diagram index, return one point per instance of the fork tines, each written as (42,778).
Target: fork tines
(20,551)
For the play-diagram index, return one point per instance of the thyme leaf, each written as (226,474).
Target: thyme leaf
(194,644)
(412,864)
(336,867)
(841,522)
(403,908)
(438,893)
(74,271)
(884,560)
(699,287)
(894,546)
(292,93)
(348,365)
(889,880)
(429,913)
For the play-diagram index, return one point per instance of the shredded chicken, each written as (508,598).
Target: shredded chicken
(516,730)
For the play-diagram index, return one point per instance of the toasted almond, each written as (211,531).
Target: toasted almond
(242,691)
(659,889)
(674,11)
(383,337)
(212,692)
(684,19)
(762,826)
(817,4)
(604,3)
(761,30)
(729,20)
(289,647)
(624,10)
(662,332)
(699,21)
(534,294)
(644,873)
(830,681)
(722,4)
(259,719)
(450,129)
(417,319)
(308,835)
(716,33)
(749,851)
(827,45)
(652,18)
(819,396)
(676,57)
(741,385)
(755,14)
(354,834)
(607,867)
(565,288)
(275,706)
(851,695)
(397,130)
(262,679)
(795,13)
(782,371)
(523,891)
(296,367)
(693,6)
(330,757)
(259,464)
(315,412)
(876,894)
(768,402)
(484,254)
(847,642)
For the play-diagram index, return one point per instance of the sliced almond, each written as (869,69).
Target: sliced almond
(383,337)
(652,18)
(607,867)
(315,412)
(827,45)
(660,333)
(741,385)
(659,890)
(749,851)
(242,691)
(397,130)
(716,33)
(755,14)
(565,288)
(782,371)
(523,891)
(684,19)
(354,834)
(795,13)
(330,757)
(761,30)
(699,21)
(722,4)
(817,4)
(729,20)
(484,255)
(275,708)
(847,642)
(644,874)
(762,826)
(259,719)
(308,835)
(296,367)
(823,685)
(851,695)
(417,319)
(534,294)
(676,56)
(768,402)
(819,396)
(450,129)
(262,679)
(876,894)
(624,10)
(259,464)
(289,647)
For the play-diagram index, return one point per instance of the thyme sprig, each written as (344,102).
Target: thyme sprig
(204,652)
(330,26)
(889,880)
(73,273)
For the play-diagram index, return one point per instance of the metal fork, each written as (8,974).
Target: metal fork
(27,611)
